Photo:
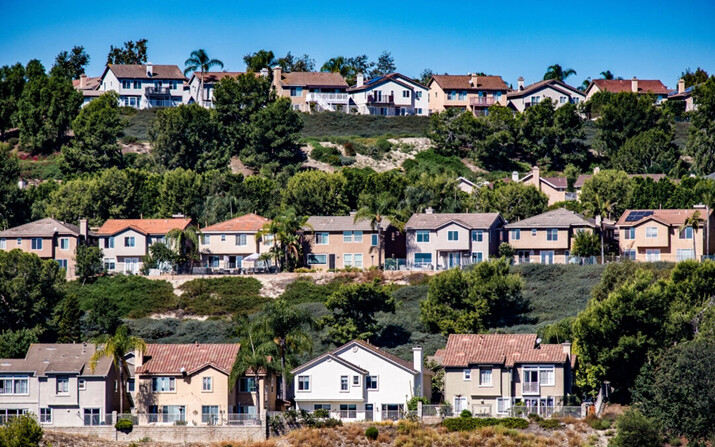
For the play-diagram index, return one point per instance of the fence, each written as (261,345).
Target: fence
(547,411)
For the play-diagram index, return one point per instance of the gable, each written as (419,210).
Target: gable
(370,360)
(327,364)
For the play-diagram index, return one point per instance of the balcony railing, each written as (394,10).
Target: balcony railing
(530,388)
(335,98)
(381,99)
(484,101)
(158,91)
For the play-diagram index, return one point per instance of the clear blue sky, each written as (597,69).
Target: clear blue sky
(648,39)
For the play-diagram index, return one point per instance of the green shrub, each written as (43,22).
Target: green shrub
(516,423)
(675,442)
(371,433)
(535,417)
(467,424)
(321,413)
(13,141)
(21,431)
(383,145)
(465,414)
(636,430)
(129,139)
(413,403)
(222,296)
(124,425)
(344,124)
(549,424)
(597,423)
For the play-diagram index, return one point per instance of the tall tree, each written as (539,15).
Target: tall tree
(11,211)
(358,64)
(558,73)
(378,212)
(273,138)
(253,358)
(701,137)
(131,53)
(88,261)
(68,316)
(185,243)
(284,229)
(607,75)
(71,64)
(515,201)
(200,61)
(693,223)
(425,76)
(453,131)
(259,60)
(607,187)
(652,151)
(385,65)
(290,63)
(12,81)
(116,348)
(336,64)
(696,77)
(316,193)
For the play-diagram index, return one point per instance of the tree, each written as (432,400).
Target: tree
(21,431)
(259,60)
(284,230)
(273,138)
(558,73)
(585,244)
(336,64)
(506,251)
(10,195)
(701,137)
(584,85)
(380,209)
(254,358)
(68,315)
(607,75)
(316,193)
(353,308)
(633,429)
(385,65)
(473,301)
(515,201)
(651,151)
(693,222)
(694,78)
(185,243)
(607,186)
(453,131)
(116,348)
(88,261)
(12,81)
(200,61)
(603,209)
(425,76)
(14,344)
(357,64)
(497,142)
(290,63)
(131,53)
(71,64)
(94,146)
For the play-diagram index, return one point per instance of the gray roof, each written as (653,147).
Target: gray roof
(341,223)
(427,221)
(558,218)
(46,227)
(67,358)
(135,71)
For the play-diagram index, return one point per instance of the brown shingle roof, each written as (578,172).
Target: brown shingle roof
(558,218)
(624,85)
(508,350)
(426,221)
(44,358)
(215,76)
(340,223)
(247,222)
(674,218)
(583,177)
(313,79)
(145,226)
(90,83)
(46,227)
(170,358)
(553,83)
(461,82)
(132,71)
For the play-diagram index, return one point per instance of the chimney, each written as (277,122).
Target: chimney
(353,213)
(596,170)
(138,358)
(149,69)
(82,81)
(566,346)
(474,80)
(536,173)
(681,85)
(264,72)
(429,210)
(417,363)
(360,80)
(634,85)
(520,82)
(277,73)
(83,229)
(514,176)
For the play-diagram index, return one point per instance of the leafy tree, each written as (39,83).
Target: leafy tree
(200,61)
(94,146)
(651,151)
(71,64)
(116,348)
(88,261)
(633,429)
(425,76)
(10,195)
(273,138)
(337,64)
(316,193)
(608,186)
(515,201)
(453,131)
(385,65)
(497,143)
(14,344)
(188,137)
(131,53)
(259,60)
(558,332)
(696,77)
(607,75)
(21,431)
(290,63)
(585,244)
(558,73)
(475,300)
(284,229)
(185,243)
(353,308)
(180,191)
(380,209)
(506,251)
(68,315)
(701,139)
(358,64)
(12,81)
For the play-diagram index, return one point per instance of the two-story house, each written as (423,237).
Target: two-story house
(210,79)
(635,85)
(189,383)
(442,241)
(547,238)
(558,92)
(471,92)
(312,91)
(359,381)
(144,86)
(49,239)
(488,374)
(331,242)
(88,86)
(555,188)
(226,244)
(389,95)
(125,242)
(661,235)
(55,382)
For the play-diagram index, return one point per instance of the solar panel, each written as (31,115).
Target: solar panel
(635,216)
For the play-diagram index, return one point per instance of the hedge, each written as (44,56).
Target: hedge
(467,424)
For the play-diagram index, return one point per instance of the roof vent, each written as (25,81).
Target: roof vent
(177,216)
(5,364)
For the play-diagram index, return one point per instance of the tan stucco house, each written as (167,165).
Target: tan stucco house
(469,92)
(635,85)
(558,92)
(555,188)
(312,90)
(489,374)
(226,244)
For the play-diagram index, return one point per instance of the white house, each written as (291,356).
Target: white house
(390,95)
(359,381)
(211,78)
(558,92)
(144,86)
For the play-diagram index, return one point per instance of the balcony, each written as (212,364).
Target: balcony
(381,99)
(332,98)
(530,388)
(157,91)
(482,101)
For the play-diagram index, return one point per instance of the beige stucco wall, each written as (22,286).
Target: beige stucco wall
(552,193)
(228,247)
(439,243)
(527,241)
(668,241)
(338,248)
(138,250)
(50,250)
(438,101)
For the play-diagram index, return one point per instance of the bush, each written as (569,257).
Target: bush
(513,423)
(636,430)
(413,403)
(383,145)
(129,139)
(124,425)
(371,433)
(598,424)
(222,296)
(21,431)
(468,424)
(321,413)
(465,414)
(549,424)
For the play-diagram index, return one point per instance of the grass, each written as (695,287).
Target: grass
(138,121)
(342,124)
(222,296)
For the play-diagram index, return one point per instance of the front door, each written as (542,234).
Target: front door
(368,412)
(331,261)
(547,257)
(91,416)
(131,265)
(453,259)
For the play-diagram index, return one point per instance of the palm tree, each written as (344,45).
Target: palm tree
(199,60)
(602,209)
(607,75)
(584,85)
(185,243)
(253,357)
(116,348)
(693,221)
(381,207)
(558,73)
(286,241)
(337,65)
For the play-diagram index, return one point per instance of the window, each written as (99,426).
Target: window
(14,385)
(687,233)
(357,236)
(247,385)
(347,236)
(126,84)
(503,405)
(62,263)
(515,234)
(317,259)
(356,380)
(477,257)
(451,96)
(241,239)
(130,385)
(322,238)
(64,243)
(45,415)
(207,384)
(63,385)
(110,264)
(418,111)
(19,241)
(452,235)
(485,377)
(91,416)
(129,241)
(533,232)
(422,236)
(535,100)
(563,99)
(163,384)
(547,256)
(173,84)
(460,403)
(303,383)
(373,240)
(630,254)
(223,238)
(173,413)
(82,384)
(651,232)
(2,243)
(347,260)
(321,407)
(209,414)
(109,242)
(405,93)
(158,84)
(205,239)
(348,411)
(296,91)
(467,375)
(552,234)
(629,233)
(36,243)
(652,254)
(477,236)
(546,376)
(371,382)
(418,94)
(357,258)
(684,254)
(343,383)
(462,96)
(137,85)
(423,258)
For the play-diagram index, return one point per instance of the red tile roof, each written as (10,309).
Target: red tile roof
(461,82)
(624,85)
(170,358)
(145,226)
(463,350)
(674,218)
(248,222)
(215,76)
(313,79)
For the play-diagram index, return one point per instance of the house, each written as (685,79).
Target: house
(466,185)
(489,374)
(472,92)
(312,91)
(210,79)
(88,86)
(685,95)
(56,383)
(125,242)
(359,381)
(331,242)
(558,92)
(547,238)
(661,235)
(144,86)
(441,241)
(555,188)
(226,244)
(389,95)
(49,239)
(635,85)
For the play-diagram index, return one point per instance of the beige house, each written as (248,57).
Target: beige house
(226,244)
(442,241)
(547,238)
(188,384)
(555,188)
(336,242)
(635,85)
(469,92)
(125,242)
(88,86)
(685,95)
(49,239)
(558,92)
(496,374)
(312,90)
(205,98)
(656,235)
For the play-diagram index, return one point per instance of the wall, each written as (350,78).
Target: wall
(174,434)
(325,383)
(439,243)
(539,241)
(139,249)
(50,249)
(547,92)
(337,247)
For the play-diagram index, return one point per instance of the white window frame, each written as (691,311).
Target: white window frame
(629,233)
(81,384)
(652,254)
(322,238)
(241,239)
(358,260)
(551,377)
(344,384)
(356,380)
(467,375)
(347,237)
(2,243)
(347,260)
(630,253)
(313,259)
(547,255)
(515,234)
(477,235)
(46,415)
(205,239)
(369,381)
(64,243)
(651,232)
(129,241)
(683,254)
(13,380)
(303,380)
(62,385)
(171,381)
(552,235)
(484,374)
(422,236)
(504,403)
(207,384)
(453,235)
(687,233)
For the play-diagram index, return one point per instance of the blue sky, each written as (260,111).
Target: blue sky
(647,39)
